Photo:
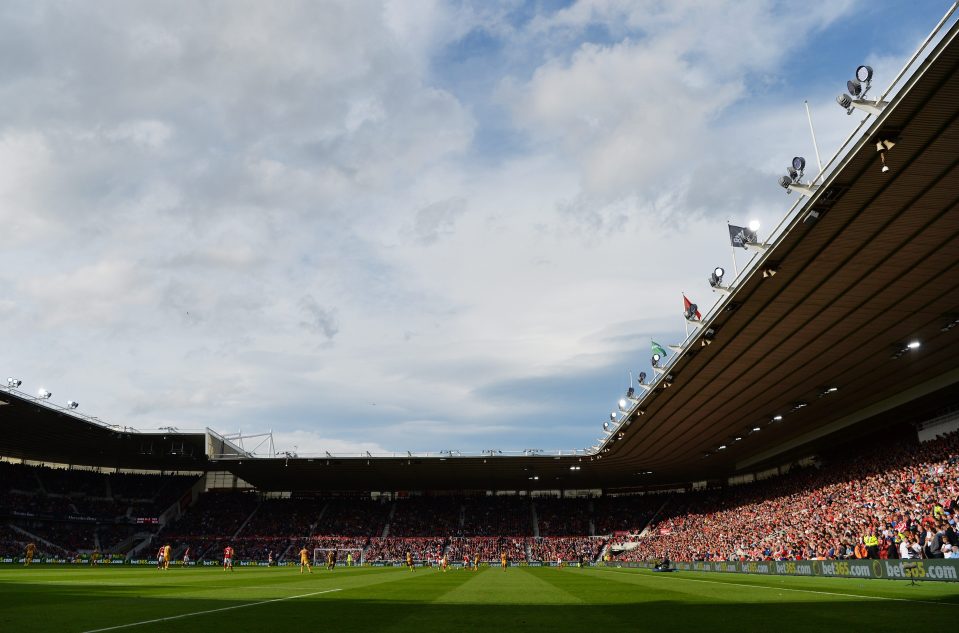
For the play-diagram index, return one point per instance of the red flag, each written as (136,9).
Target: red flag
(687,304)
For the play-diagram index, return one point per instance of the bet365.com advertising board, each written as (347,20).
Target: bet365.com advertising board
(938,569)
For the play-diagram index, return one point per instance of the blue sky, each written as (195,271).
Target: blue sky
(393,225)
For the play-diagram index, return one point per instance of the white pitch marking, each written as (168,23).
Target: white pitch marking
(827,593)
(187,615)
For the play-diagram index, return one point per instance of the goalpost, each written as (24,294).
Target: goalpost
(319,555)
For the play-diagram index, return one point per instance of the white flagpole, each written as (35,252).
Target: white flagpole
(685,320)
(813,132)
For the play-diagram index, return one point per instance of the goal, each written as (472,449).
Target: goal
(320,553)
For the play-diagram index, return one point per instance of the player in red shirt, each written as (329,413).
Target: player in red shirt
(227,558)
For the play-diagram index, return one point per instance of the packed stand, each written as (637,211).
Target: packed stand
(427,548)
(489,549)
(19,477)
(423,516)
(292,518)
(67,481)
(566,549)
(216,514)
(901,498)
(562,517)
(625,513)
(70,537)
(497,516)
(353,517)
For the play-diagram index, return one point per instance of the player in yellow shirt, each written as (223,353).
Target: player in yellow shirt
(443,563)
(409,561)
(475,562)
(503,560)
(166,556)
(30,553)
(305,560)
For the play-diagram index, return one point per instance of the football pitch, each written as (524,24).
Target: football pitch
(80,599)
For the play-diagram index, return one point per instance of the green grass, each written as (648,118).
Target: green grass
(80,599)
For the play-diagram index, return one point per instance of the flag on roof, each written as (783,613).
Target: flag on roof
(691,310)
(658,349)
(740,236)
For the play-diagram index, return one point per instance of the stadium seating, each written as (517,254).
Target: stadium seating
(835,510)
(893,491)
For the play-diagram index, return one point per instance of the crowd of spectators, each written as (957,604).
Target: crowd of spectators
(489,549)
(293,518)
(562,517)
(216,513)
(565,549)
(425,516)
(19,477)
(391,548)
(895,499)
(497,516)
(879,504)
(111,535)
(353,517)
(67,481)
(625,513)
(68,537)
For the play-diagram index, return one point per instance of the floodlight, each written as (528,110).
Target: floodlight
(756,429)
(642,378)
(792,181)
(13,383)
(655,360)
(606,426)
(777,418)
(736,439)
(722,447)
(716,278)
(856,99)
(914,345)
(612,416)
(691,311)
(708,336)
(43,393)
(754,224)
(622,405)
(630,393)
(73,404)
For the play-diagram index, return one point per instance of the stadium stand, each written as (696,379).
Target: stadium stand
(854,507)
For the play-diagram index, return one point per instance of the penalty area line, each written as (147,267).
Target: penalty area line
(189,615)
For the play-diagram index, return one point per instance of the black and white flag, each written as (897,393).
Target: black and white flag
(740,236)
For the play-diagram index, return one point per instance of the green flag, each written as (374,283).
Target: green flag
(658,349)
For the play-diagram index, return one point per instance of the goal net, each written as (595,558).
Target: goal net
(343,555)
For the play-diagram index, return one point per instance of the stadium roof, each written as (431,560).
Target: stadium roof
(867,264)
(48,433)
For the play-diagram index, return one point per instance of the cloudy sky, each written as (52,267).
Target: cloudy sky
(393,225)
